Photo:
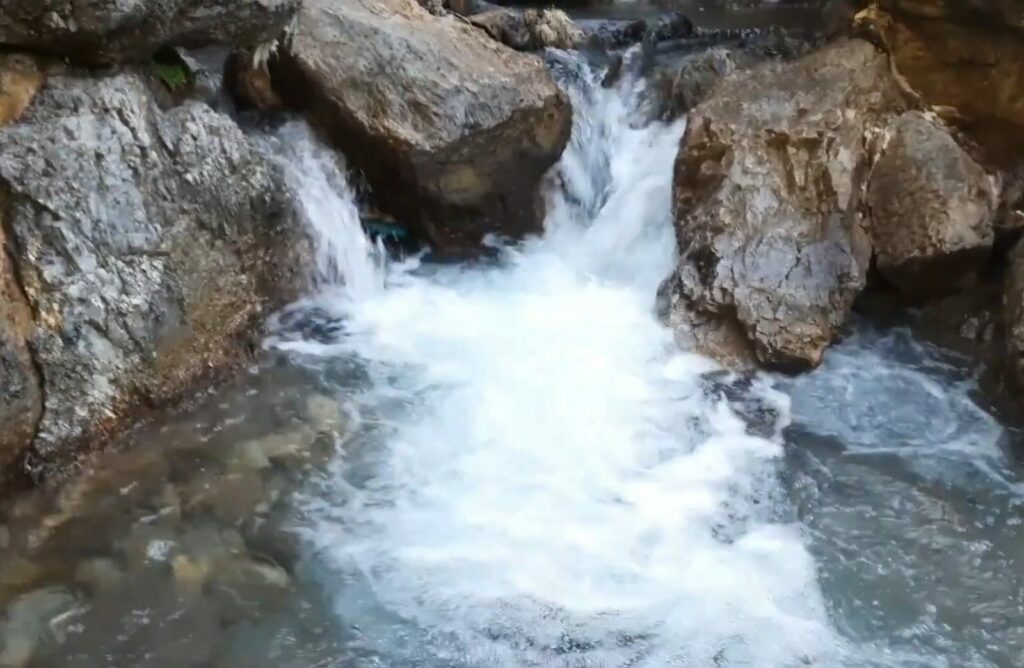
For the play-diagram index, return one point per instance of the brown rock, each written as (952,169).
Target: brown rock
(968,64)
(1008,13)
(767,202)
(452,130)
(530,29)
(21,77)
(931,208)
(21,400)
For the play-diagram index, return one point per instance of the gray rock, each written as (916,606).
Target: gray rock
(931,208)
(452,130)
(147,246)
(767,197)
(107,31)
(688,84)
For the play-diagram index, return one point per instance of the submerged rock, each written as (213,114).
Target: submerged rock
(931,208)
(767,200)
(27,624)
(144,247)
(100,31)
(452,130)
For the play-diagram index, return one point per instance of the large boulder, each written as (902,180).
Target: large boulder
(452,130)
(107,31)
(768,205)
(143,249)
(931,208)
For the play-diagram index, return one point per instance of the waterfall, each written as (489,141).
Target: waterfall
(344,256)
(542,478)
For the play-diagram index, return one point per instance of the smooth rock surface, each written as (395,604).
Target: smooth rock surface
(767,200)
(931,208)
(145,248)
(452,130)
(111,31)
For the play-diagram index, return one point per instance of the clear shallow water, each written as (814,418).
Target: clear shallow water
(510,464)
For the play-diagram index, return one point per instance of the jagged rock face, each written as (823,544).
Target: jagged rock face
(931,208)
(110,31)
(21,400)
(1009,13)
(767,197)
(142,248)
(452,130)
(967,64)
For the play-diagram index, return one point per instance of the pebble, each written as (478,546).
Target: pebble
(324,412)
(27,623)
(99,574)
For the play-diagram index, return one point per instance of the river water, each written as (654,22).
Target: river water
(511,463)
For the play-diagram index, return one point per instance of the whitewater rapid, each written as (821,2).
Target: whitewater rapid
(543,478)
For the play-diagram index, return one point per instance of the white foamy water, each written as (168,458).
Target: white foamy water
(344,255)
(549,480)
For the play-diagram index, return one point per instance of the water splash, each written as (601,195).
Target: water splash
(548,481)
(345,257)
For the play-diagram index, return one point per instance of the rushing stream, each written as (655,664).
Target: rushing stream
(511,463)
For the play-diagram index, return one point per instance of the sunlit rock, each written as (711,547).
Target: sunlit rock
(768,205)
(145,247)
(452,130)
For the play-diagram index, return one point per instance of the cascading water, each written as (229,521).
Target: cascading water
(544,478)
(531,473)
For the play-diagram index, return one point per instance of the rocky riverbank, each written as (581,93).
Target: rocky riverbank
(147,237)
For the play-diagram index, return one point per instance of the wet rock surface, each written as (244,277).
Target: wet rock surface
(101,31)
(452,130)
(143,248)
(767,194)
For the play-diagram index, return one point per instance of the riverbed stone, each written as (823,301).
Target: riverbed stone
(768,205)
(26,624)
(452,130)
(99,574)
(105,31)
(144,249)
